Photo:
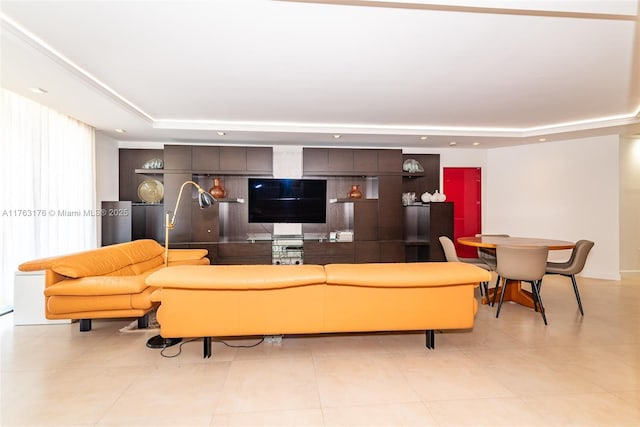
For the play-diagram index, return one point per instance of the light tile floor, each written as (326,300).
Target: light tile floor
(511,371)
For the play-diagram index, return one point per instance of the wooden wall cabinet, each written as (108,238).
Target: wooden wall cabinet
(244,253)
(231,160)
(424,224)
(350,162)
(328,252)
(383,232)
(419,182)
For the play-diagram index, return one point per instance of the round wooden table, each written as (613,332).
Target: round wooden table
(513,291)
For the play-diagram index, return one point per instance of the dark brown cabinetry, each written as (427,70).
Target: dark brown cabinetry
(354,162)
(424,224)
(420,182)
(383,230)
(244,253)
(377,219)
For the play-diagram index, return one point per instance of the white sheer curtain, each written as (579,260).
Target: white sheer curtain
(48,202)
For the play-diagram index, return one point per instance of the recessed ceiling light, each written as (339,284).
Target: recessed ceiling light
(37,90)
(452,143)
(337,136)
(423,137)
(120,130)
(476,143)
(542,139)
(222,133)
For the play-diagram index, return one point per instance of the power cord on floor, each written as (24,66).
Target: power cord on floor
(169,356)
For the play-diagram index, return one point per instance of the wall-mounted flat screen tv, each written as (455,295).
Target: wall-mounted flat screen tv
(287,200)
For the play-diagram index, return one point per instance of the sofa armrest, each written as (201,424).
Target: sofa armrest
(37,264)
(178,255)
(156,296)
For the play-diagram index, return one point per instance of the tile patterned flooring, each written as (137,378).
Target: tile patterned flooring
(511,371)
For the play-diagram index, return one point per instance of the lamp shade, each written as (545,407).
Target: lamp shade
(205,199)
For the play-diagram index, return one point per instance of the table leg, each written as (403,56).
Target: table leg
(513,292)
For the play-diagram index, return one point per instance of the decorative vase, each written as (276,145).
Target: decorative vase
(355,192)
(217,191)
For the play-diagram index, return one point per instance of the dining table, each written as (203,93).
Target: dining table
(513,290)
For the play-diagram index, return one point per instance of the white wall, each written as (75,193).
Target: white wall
(287,163)
(107,166)
(565,190)
(630,206)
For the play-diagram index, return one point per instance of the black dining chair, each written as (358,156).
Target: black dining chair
(573,266)
(523,263)
(451,255)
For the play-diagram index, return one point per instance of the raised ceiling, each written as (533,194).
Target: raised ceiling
(300,72)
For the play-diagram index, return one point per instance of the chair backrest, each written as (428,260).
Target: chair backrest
(522,262)
(449,249)
(488,255)
(579,256)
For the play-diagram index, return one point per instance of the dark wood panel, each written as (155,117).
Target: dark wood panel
(244,249)
(367,252)
(177,157)
(204,223)
(260,159)
(315,160)
(233,158)
(390,214)
(341,160)
(248,260)
(415,253)
(116,228)
(129,161)
(441,225)
(205,158)
(365,161)
(324,259)
(392,251)
(365,220)
(390,161)
(328,249)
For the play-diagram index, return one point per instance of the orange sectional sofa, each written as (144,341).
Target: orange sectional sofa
(107,282)
(241,300)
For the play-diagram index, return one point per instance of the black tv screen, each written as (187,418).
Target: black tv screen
(287,200)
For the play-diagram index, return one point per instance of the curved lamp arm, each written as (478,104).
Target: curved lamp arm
(205,200)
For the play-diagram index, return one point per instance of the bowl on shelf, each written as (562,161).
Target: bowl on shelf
(151,191)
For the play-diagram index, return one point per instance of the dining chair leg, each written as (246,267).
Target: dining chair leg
(575,289)
(535,286)
(504,285)
(495,292)
(535,298)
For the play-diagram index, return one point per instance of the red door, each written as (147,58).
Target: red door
(462,186)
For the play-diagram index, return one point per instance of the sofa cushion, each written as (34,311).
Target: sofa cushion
(405,275)
(237,277)
(144,266)
(115,259)
(99,285)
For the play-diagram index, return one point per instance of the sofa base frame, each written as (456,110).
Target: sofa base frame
(143,323)
(207,343)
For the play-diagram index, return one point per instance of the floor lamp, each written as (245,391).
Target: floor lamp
(205,200)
